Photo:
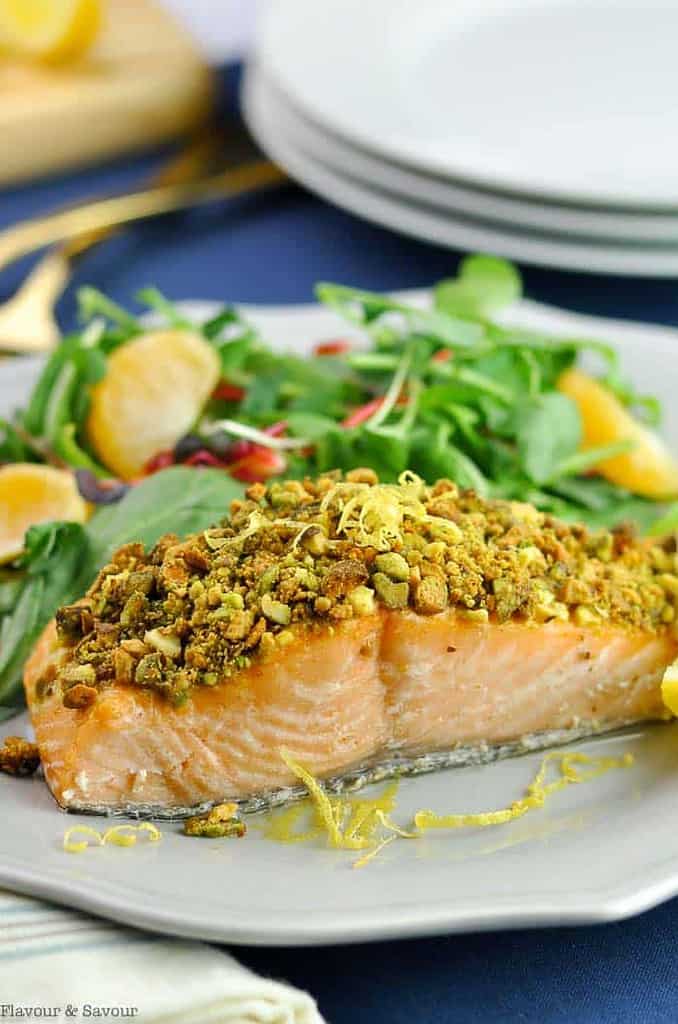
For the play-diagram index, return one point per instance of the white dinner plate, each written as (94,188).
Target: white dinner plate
(555,98)
(596,852)
(276,128)
(484,205)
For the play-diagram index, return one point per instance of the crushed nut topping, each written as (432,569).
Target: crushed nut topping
(221,822)
(19,757)
(302,554)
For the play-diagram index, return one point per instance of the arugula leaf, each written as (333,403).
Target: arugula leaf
(484,285)
(62,559)
(548,432)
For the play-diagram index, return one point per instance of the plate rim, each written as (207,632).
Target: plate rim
(437,225)
(412,183)
(641,890)
(267,50)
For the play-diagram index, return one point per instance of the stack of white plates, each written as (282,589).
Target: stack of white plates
(542,130)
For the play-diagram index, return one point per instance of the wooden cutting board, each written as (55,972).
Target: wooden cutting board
(143,82)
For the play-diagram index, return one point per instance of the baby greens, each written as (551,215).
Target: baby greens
(445,391)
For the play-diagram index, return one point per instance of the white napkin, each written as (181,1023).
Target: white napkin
(73,965)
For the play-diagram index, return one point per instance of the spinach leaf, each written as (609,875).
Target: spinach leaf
(62,559)
(548,432)
(484,285)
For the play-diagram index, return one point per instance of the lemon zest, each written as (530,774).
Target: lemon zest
(118,835)
(330,813)
(371,854)
(85,830)
(127,835)
(352,824)
(318,796)
(281,825)
(391,826)
(374,514)
(537,792)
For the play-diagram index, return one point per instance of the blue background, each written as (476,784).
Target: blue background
(271,249)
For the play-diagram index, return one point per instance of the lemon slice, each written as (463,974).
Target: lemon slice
(54,30)
(31,494)
(153,392)
(670,688)
(648,468)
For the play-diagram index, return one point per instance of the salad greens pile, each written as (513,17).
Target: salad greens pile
(61,560)
(445,391)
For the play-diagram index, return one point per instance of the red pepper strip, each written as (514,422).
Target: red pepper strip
(332,348)
(276,429)
(259,465)
(443,355)
(160,461)
(203,458)
(362,413)
(226,392)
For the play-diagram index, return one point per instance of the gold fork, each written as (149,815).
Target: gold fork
(27,321)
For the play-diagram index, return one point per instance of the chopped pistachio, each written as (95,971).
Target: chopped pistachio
(221,822)
(362,600)
(215,539)
(167,643)
(474,614)
(314,541)
(19,756)
(585,616)
(72,674)
(394,565)
(526,513)
(446,531)
(268,578)
(604,547)
(134,609)
(276,611)
(669,583)
(531,555)
(436,551)
(394,595)
(430,596)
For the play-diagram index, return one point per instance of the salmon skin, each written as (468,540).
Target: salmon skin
(369,630)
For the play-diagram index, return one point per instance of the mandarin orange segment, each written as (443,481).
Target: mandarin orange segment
(648,468)
(52,30)
(32,494)
(153,392)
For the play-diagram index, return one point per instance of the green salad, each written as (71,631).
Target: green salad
(446,392)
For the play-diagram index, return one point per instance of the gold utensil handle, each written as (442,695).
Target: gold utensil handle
(30,235)
(196,159)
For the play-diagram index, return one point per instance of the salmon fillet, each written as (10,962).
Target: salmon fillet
(359,681)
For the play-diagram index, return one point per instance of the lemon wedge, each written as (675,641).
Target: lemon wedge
(153,392)
(51,30)
(32,494)
(670,688)
(648,468)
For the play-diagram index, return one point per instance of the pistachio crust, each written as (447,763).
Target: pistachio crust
(312,553)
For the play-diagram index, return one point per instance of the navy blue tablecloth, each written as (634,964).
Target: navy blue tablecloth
(271,249)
